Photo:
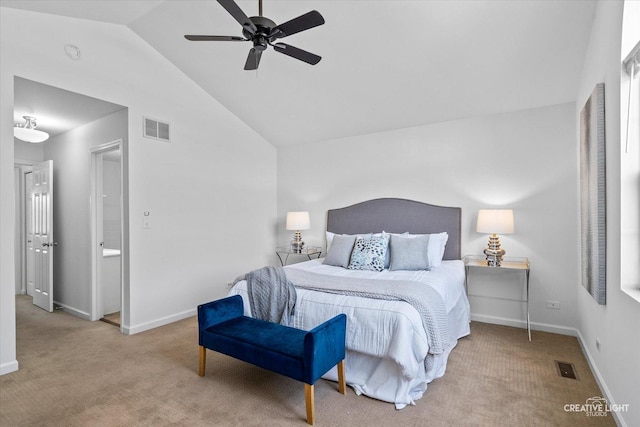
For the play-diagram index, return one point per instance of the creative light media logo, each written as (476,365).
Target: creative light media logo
(595,406)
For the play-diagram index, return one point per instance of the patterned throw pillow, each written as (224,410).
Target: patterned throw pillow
(369,253)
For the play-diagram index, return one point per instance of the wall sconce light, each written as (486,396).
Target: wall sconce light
(297,221)
(28,132)
(494,222)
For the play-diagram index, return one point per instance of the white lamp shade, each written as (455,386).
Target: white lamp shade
(495,221)
(298,221)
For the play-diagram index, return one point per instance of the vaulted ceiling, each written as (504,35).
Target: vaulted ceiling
(385,64)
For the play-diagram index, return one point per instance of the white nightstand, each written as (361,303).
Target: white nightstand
(309,251)
(522,264)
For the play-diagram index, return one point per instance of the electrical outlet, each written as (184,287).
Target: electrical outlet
(554,305)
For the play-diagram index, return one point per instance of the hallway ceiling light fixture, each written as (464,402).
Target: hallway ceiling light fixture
(28,132)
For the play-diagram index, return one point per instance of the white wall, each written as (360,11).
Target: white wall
(211,191)
(24,151)
(112,223)
(8,361)
(71,208)
(523,160)
(617,324)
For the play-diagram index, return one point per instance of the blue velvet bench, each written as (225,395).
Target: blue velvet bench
(302,355)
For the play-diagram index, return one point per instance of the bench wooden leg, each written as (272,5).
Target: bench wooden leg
(308,397)
(341,379)
(203,361)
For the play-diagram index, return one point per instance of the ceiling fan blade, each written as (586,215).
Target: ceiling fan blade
(253,59)
(301,23)
(239,15)
(194,38)
(297,53)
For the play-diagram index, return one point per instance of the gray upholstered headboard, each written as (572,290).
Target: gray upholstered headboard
(399,216)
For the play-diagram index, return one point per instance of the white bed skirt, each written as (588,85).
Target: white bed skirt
(382,379)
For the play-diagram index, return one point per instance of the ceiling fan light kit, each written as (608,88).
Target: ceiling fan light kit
(263,32)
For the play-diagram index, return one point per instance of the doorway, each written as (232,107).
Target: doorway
(107,219)
(34,232)
(78,126)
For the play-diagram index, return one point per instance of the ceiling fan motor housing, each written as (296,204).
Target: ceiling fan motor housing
(261,37)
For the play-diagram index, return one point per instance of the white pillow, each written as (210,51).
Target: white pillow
(437,243)
(329,236)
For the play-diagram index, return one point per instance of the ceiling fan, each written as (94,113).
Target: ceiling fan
(263,32)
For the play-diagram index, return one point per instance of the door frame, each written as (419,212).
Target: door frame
(96,218)
(21,168)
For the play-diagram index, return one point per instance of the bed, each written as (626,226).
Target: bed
(394,349)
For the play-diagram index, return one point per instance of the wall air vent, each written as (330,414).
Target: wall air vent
(156,130)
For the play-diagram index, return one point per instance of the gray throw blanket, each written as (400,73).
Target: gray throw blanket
(272,297)
(423,297)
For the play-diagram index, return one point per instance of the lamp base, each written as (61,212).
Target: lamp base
(297,244)
(494,252)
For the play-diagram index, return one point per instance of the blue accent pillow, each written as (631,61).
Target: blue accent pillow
(369,253)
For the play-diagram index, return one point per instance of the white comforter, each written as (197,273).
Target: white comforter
(386,342)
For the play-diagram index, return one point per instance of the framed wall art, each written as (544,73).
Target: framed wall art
(593,204)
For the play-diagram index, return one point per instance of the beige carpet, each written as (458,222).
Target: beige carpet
(79,373)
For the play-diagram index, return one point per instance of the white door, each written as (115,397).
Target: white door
(42,231)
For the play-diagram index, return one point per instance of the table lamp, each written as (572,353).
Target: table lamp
(494,222)
(297,221)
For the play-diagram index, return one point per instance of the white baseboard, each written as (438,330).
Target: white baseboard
(8,367)
(517,323)
(130,330)
(73,311)
(600,380)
